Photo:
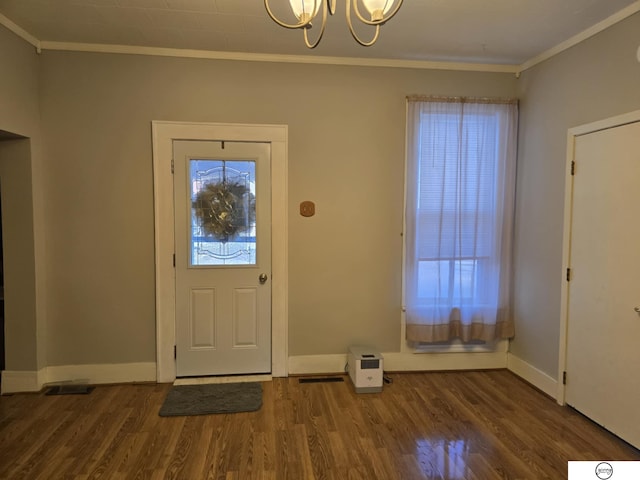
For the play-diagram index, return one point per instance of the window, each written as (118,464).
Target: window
(459,216)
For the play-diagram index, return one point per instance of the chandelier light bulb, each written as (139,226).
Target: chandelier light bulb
(305,10)
(377,8)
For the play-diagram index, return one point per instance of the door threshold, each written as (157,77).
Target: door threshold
(228,379)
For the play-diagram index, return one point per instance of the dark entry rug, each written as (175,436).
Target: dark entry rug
(214,398)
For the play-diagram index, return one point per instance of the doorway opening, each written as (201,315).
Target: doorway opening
(2,337)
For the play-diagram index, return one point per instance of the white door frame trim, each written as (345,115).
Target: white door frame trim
(574,132)
(163,135)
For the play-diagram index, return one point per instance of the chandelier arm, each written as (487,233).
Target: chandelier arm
(329,8)
(353,32)
(373,22)
(322,27)
(305,25)
(332,6)
(365,44)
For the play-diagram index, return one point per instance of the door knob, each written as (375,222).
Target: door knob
(637,310)
(263,278)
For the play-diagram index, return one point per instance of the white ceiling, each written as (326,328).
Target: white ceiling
(507,32)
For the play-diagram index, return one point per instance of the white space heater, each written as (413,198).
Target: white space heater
(365,369)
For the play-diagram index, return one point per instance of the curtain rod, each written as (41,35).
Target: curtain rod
(447,99)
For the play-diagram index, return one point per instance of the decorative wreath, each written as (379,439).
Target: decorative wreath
(225,209)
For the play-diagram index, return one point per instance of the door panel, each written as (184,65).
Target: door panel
(222,207)
(245,317)
(603,328)
(202,318)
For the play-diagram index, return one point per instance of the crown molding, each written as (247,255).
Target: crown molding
(276,58)
(21,32)
(322,60)
(582,36)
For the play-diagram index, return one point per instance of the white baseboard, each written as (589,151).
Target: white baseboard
(219,380)
(21,381)
(401,362)
(406,362)
(102,373)
(33,381)
(531,374)
(317,364)
(15,381)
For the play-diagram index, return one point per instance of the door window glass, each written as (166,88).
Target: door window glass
(223,212)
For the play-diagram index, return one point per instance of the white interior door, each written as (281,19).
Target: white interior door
(222,204)
(603,336)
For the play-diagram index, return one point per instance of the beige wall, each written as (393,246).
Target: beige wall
(94,204)
(346,153)
(19,114)
(19,68)
(596,79)
(19,263)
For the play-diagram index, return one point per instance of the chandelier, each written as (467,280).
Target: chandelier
(379,12)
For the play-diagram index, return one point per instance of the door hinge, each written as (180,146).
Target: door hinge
(573,167)
(174,260)
(175,352)
(172,166)
(564,378)
(568,274)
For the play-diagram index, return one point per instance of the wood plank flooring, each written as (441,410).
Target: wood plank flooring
(462,425)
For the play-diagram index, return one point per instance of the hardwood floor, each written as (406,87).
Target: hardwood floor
(470,425)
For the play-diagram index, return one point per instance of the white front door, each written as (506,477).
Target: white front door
(222,203)
(603,335)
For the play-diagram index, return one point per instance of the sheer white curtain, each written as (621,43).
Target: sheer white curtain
(461,156)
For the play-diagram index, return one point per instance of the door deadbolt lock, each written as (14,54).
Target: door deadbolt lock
(263,278)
